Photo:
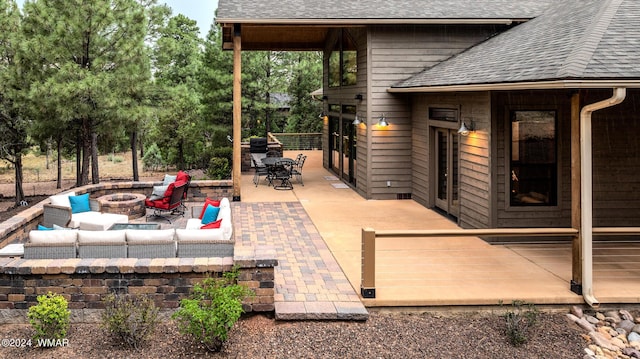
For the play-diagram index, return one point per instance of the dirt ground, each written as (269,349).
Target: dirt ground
(384,335)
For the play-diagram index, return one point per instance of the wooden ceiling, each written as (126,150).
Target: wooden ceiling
(277,37)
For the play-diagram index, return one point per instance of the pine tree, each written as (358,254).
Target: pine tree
(87,61)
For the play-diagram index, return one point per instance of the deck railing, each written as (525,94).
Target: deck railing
(369,236)
(299,141)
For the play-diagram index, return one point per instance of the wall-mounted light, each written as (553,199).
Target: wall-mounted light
(382,121)
(322,115)
(465,129)
(325,98)
(358,97)
(358,120)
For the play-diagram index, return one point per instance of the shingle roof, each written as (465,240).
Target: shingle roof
(573,39)
(378,9)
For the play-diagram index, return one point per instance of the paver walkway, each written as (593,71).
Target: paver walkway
(309,282)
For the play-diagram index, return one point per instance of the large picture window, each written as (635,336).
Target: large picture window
(533,158)
(343,62)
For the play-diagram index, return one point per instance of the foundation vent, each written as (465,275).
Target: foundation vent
(403,195)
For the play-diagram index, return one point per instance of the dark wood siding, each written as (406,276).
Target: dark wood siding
(397,53)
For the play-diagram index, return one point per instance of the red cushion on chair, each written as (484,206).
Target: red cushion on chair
(207,202)
(168,192)
(212,225)
(182,177)
(159,203)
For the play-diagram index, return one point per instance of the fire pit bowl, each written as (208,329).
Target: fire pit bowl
(129,204)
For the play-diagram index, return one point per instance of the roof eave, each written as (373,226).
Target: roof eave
(360,22)
(537,85)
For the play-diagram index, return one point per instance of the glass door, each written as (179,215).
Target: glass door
(334,144)
(446,152)
(349,150)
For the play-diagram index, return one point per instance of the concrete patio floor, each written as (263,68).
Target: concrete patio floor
(449,271)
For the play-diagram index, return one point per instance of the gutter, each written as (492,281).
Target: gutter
(586,191)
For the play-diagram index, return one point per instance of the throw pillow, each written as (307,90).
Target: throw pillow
(210,214)
(212,225)
(62,199)
(43,228)
(168,179)
(80,203)
(158,192)
(208,202)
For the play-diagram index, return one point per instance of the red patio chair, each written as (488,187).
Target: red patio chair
(170,203)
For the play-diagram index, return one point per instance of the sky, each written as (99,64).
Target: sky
(202,11)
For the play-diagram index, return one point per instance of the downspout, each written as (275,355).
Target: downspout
(586,193)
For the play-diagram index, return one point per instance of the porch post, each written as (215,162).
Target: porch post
(237,112)
(368,275)
(576,250)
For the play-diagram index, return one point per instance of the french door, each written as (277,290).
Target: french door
(446,171)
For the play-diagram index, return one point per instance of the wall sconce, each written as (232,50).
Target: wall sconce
(466,129)
(358,120)
(322,115)
(358,97)
(325,98)
(382,121)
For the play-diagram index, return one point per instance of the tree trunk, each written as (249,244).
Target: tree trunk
(95,174)
(86,151)
(59,175)
(134,155)
(180,155)
(18,168)
(78,158)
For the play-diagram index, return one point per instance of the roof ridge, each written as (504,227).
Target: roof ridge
(576,62)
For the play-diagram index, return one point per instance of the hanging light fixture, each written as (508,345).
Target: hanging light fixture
(382,121)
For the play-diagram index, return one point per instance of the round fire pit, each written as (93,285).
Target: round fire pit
(130,204)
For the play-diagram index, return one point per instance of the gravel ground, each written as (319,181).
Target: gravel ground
(384,335)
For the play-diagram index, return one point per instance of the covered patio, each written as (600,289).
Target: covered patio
(454,271)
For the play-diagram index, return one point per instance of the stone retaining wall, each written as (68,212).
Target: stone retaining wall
(16,229)
(85,282)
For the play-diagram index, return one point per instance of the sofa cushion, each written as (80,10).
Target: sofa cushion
(53,237)
(43,228)
(212,225)
(208,202)
(193,223)
(80,203)
(140,236)
(199,235)
(62,199)
(182,177)
(100,237)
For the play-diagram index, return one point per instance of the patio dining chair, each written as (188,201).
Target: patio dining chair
(260,170)
(283,172)
(296,170)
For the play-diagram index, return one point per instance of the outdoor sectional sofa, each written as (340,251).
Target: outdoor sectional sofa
(134,243)
(78,211)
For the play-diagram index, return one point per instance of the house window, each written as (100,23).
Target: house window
(343,62)
(533,158)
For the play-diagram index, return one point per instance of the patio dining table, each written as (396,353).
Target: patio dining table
(279,170)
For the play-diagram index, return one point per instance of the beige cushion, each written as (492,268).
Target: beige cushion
(149,235)
(199,234)
(100,237)
(226,225)
(224,202)
(62,199)
(193,223)
(53,237)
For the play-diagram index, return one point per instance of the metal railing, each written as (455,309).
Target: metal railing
(299,141)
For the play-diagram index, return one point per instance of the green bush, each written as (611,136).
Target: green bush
(131,318)
(218,169)
(520,321)
(50,317)
(152,159)
(212,309)
(114,158)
